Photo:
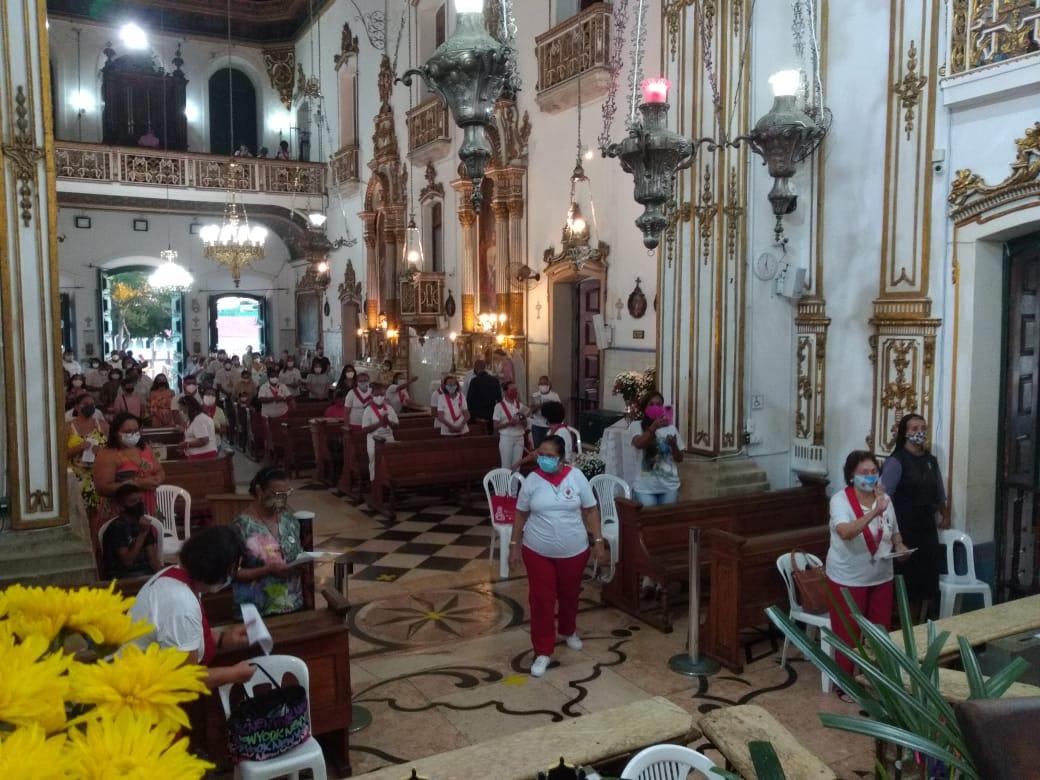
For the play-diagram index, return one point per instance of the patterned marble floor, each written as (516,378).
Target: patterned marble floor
(440,658)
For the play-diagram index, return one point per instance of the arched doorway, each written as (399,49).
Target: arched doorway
(134,317)
(236,91)
(238,322)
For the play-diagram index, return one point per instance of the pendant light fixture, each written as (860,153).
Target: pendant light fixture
(412,253)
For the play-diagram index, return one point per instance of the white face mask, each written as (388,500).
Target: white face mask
(543,389)
(317,371)
(378,399)
(130,439)
(363,386)
(209,400)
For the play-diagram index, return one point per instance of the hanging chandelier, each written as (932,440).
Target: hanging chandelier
(234,243)
(169,277)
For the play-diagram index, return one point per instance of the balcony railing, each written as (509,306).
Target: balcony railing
(345,164)
(579,46)
(986,32)
(429,133)
(125,165)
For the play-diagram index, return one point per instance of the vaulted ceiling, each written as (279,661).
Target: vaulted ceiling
(259,21)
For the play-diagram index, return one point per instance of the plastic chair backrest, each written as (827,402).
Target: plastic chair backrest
(951,538)
(277,666)
(607,487)
(166,499)
(783,565)
(156,524)
(667,762)
(502,482)
(576,440)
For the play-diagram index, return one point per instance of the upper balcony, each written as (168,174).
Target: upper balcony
(429,131)
(988,32)
(135,172)
(346,174)
(577,47)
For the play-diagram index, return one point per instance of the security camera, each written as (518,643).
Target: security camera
(938,167)
(938,160)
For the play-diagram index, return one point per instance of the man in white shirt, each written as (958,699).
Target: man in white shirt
(273,397)
(544,394)
(225,377)
(357,399)
(378,421)
(452,412)
(510,420)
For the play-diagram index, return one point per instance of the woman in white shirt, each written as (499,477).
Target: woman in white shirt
(661,448)
(452,411)
(200,435)
(863,536)
(397,394)
(556,513)
(545,394)
(510,421)
(378,421)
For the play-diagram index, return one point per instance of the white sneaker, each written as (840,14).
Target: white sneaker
(541,663)
(573,641)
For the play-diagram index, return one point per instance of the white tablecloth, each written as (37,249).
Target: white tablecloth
(620,457)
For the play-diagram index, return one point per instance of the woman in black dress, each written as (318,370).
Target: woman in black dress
(911,477)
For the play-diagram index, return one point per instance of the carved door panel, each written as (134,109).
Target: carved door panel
(1017,537)
(107,318)
(587,352)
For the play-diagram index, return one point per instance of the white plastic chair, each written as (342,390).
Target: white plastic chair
(166,500)
(667,762)
(798,614)
(305,756)
(501,482)
(607,487)
(952,584)
(155,524)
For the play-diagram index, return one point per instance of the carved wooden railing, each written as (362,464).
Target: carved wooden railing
(574,47)
(428,123)
(985,32)
(128,165)
(345,164)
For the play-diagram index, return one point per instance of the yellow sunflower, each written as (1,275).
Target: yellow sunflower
(131,747)
(27,754)
(100,614)
(35,611)
(33,684)
(152,683)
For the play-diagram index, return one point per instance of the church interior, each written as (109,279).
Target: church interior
(550,389)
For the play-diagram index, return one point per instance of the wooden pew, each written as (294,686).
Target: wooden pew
(654,541)
(201,478)
(321,639)
(444,462)
(327,446)
(289,437)
(744,581)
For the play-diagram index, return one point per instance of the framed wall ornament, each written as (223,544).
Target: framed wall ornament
(637,301)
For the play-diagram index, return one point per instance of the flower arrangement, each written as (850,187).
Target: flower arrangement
(590,464)
(70,708)
(632,385)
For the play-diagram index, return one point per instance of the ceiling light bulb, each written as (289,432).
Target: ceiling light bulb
(469,6)
(589,154)
(316,218)
(133,36)
(258,234)
(323,267)
(209,233)
(413,256)
(785,82)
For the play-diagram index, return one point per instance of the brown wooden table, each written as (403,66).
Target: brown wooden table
(322,640)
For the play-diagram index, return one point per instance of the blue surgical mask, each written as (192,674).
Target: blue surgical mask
(865,481)
(548,463)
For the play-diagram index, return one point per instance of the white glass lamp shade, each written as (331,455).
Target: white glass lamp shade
(169,276)
(469,6)
(317,219)
(581,213)
(785,83)
(210,233)
(413,248)
(258,234)
(133,37)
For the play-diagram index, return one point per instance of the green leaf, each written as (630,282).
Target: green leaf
(905,623)
(725,773)
(897,736)
(997,685)
(976,683)
(766,761)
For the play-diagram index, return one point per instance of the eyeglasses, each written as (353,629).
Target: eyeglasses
(283,493)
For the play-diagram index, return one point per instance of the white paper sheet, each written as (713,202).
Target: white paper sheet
(306,556)
(256,631)
(895,554)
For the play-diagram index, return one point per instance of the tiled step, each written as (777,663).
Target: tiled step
(50,556)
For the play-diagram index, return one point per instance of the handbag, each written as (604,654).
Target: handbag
(503,509)
(811,583)
(268,724)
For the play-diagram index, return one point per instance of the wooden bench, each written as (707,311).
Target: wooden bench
(201,478)
(744,581)
(730,729)
(327,447)
(595,739)
(654,541)
(443,462)
(289,437)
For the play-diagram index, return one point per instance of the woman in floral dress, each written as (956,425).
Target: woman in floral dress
(86,437)
(271,537)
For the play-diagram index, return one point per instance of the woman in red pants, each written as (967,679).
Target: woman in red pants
(556,513)
(863,533)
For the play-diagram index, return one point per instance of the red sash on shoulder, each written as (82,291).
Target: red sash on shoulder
(873,540)
(554,479)
(505,408)
(364,399)
(209,647)
(451,408)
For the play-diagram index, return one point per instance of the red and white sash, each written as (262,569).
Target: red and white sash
(509,414)
(455,415)
(873,540)
(364,399)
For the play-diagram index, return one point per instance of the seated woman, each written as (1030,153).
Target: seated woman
(129,546)
(171,602)
(200,434)
(127,458)
(159,399)
(660,448)
(212,410)
(270,536)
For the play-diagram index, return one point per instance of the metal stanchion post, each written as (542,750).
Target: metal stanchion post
(691,663)
(360,718)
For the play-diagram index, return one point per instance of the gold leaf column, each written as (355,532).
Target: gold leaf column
(902,344)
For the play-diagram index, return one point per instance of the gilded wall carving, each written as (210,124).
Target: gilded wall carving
(970,195)
(23,154)
(281,69)
(987,32)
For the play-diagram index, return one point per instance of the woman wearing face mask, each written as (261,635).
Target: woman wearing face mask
(97,375)
(127,458)
(347,377)
(74,386)
(912,478)
(110,390)
(378,421)
(544,395)
(246,385)
(357,399)
(128,400)
(510,420)
(556,513)
(69,363)
(318,382)
(225,378)
(271,538)
(160,398)
(200,434)
(452,411)
(863,532)
(171,601)
(273,397)
(290,377)
(397,394)
(86,436)
(661,444)
(215,413)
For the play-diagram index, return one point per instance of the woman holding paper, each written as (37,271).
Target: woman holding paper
(864,535)
(271,538)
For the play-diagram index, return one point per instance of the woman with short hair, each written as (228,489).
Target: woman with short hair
(556,513)
(200,434)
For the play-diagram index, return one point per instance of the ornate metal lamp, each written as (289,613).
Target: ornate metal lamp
(170,277)
(234,243)
(654,155)
(470,71)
